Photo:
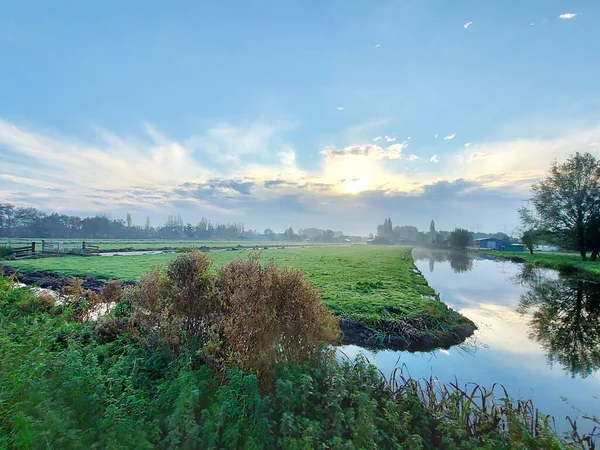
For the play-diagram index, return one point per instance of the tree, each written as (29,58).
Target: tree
(432,227)
(386,230)
(567,203)
(460,239)
(147,225)
(128,220)
(530,238)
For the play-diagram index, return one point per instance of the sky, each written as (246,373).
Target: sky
(304,113)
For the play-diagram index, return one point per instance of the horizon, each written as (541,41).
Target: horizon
(330,116)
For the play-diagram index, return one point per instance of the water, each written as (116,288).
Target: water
(538,333)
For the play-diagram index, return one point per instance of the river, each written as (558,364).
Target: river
(538,333)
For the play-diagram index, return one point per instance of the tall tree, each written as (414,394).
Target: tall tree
(432,227)
(567,202)
(460,239)
(128,220)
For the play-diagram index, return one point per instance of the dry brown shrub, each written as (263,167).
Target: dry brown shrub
(269,315)
(46,301)
(74,287)
(247,315)
(112,292)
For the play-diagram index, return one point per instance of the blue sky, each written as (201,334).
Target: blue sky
(270,112)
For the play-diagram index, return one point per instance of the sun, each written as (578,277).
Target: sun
(355,185)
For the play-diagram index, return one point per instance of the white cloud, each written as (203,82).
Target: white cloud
(378,45)
(408,138)
(532,24)
(450,137)
(389,139)
(413,158)
(467,25)
(287,157)
(378,138)
(435,135)
(567,16)
(340,108)
(468,144)
(434,159)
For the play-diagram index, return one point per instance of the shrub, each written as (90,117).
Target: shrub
(249,315)
(112,292)
(5,251)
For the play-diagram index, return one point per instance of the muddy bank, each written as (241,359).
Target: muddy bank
(52,280)
(411,339)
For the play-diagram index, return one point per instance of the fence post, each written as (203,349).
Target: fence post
(43,245)
(83,248)
(33,248)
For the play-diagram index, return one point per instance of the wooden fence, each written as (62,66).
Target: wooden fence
(24,250)
(69,248)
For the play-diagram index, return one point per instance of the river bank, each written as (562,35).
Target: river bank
(566,263)
(378,294)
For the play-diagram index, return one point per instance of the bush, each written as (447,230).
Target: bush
(5,251)
(112,292)
(247,315)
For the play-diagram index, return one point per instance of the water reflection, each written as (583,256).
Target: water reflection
(459,261)
(565,320)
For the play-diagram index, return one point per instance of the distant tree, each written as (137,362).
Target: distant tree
(128,220)
(289,234)
(147,225)
(530,238)
(567,203)
(460,239)
(386,230)
(432,227)
(371,236)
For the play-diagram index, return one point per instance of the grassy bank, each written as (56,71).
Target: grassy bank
(67,384)
(568,262)
(378,287)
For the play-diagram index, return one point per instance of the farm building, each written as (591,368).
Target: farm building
(255,238)
(490,243)
(515,248)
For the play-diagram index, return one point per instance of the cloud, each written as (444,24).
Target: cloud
(389,139)
(340,108)
(378,138)
(154,172)
(532,24)
(467,25)
(435,135)
(468,144)
(450,137)
(567,16)
(378,45)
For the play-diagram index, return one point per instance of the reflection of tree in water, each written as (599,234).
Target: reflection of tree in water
(565,321)
(459,261)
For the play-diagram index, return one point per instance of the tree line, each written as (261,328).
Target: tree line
(22,222)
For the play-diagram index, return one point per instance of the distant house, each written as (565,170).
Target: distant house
(490,243)
(254,238)
(380,241)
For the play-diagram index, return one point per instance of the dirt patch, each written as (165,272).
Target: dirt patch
(52,280)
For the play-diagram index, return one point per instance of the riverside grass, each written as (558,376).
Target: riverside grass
(366,284)
(559,261)
(66,385)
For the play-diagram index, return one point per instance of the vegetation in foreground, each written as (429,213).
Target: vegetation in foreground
(69,383)
(378,287)
(564,262)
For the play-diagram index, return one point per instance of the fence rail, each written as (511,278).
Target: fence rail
(24,250)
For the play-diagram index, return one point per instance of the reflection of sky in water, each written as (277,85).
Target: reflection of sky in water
(501,350)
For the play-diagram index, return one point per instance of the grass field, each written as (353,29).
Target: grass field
(162,244)
(558,261)
(362,283)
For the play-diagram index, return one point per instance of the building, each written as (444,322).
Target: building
(490,243)
(254,238)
